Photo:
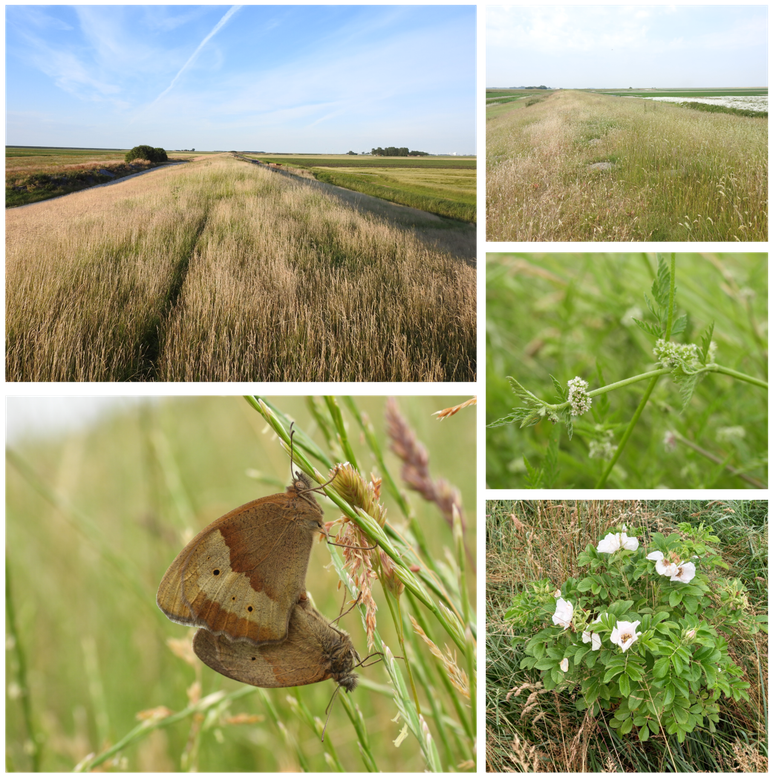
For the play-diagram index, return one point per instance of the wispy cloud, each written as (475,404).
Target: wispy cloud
(221,23)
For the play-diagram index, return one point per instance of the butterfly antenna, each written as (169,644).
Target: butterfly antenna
(352,605)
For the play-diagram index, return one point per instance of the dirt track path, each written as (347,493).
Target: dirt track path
(445,234)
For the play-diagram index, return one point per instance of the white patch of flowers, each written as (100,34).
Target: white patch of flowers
(683,573)
(564,664)
(671,354)
(593,638)
(578,396)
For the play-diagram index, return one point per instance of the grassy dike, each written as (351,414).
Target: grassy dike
(219,271)
(666,173)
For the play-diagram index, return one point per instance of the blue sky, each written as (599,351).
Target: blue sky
(298,79)
(610,46)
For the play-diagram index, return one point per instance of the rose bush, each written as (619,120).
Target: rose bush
(643,635)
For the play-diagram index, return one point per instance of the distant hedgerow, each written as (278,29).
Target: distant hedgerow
(147,153)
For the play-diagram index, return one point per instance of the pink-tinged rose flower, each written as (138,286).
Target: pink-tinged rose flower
(564,664)
(662,565)
(682,573)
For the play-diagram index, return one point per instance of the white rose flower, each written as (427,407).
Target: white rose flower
(614,541)
(625,634)
(684,573)
(564,664)
(563,614)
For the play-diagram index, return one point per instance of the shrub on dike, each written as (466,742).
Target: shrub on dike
(644,635)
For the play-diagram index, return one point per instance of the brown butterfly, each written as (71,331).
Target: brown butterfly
(242,576)
(315,650)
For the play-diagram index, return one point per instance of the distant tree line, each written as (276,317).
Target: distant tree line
(530,87)
(146,152)
(391,151)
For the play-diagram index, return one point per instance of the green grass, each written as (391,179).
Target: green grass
(410,162)
(704,107)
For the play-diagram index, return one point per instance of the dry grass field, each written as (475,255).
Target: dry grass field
(222,271)
(576,166)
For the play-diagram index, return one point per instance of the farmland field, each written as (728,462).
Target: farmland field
(580,166)
(36,174)
(443,185)
(222,271)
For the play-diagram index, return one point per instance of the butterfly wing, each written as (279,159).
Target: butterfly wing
(313,651)
(243,575)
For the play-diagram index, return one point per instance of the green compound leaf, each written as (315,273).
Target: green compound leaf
(660,670)
(662,283)
(563,395)
(687,384)
(674,598)
(679,325)
(634,672)
(705,344)
(613,672)
(644,733)
(692,604)
(650,329)
(624,684)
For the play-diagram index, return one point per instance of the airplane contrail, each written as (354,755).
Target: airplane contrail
(221,23)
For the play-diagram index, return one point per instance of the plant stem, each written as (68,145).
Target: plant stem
(621,445)
(737,374)
(671,294)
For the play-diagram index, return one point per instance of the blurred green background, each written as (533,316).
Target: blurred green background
(96,513)
(563,314)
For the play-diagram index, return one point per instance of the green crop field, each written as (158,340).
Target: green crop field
(445,186)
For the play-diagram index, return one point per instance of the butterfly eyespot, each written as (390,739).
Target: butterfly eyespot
(216,572)
(250,609)
(253,658)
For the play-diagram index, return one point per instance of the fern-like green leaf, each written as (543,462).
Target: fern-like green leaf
(705,344)
(679,326)
(560,391)
(662,283)
(653,330)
